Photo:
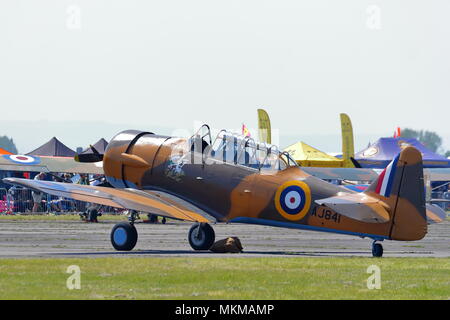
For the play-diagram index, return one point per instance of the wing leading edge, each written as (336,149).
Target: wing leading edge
(145,201)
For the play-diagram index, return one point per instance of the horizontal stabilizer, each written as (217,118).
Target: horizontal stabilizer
(357,206)
(435,214)
(439,200)
(437,174)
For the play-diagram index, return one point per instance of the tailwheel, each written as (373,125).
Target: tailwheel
(201,236)
(124,236)
(377,250)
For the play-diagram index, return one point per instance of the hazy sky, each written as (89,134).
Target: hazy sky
(165,64)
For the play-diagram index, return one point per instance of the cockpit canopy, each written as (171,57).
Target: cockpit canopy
(236,149)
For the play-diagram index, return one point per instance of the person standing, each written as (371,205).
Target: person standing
(84,179)
(37,196)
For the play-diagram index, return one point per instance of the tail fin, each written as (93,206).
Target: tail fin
(348,148)
(401,187)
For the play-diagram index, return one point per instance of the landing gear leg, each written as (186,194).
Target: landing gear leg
(152,218)
(134,215)
(377,249)
(201,236)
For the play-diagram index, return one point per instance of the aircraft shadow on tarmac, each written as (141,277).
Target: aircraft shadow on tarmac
(178,253)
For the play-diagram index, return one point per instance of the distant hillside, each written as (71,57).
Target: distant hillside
(8,144)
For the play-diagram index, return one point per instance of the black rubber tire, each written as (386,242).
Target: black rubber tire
(206,236)
(124,236)
(377,250)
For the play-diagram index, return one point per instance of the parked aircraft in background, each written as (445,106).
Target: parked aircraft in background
(26,163)
(53,166)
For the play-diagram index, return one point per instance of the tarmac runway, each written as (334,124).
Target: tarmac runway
(39,238)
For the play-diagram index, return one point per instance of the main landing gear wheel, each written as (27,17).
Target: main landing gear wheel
(124,236)
(377,250)
(201,236)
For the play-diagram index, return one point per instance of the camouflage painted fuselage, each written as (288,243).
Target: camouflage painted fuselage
(238,193)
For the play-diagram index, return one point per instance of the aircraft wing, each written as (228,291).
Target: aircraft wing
(47,164)
(352,174)
(435,214)
(144,201)
(357,206)
(437,174)
(362,174)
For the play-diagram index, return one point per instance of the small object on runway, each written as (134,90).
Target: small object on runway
(228,245)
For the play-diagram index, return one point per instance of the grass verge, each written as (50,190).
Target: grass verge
(229,278)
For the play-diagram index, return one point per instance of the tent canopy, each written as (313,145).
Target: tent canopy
(383,151)
(307,156)
(53,148)
(100,146)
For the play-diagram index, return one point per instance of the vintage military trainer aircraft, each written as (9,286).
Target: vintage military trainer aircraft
(235,179)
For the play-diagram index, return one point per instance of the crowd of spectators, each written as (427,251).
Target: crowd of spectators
(15,199)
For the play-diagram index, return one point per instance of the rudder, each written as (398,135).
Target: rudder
(401,187)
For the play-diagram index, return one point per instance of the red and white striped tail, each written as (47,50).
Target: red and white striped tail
(386,179)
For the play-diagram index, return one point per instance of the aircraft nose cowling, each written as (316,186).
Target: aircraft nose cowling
(128,156)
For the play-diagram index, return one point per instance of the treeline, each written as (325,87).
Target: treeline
(429,139)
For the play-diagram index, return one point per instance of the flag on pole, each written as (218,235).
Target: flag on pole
(245,131)
(397,132)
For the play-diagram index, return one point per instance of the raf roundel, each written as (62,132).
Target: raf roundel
(17,158)
(293,200)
